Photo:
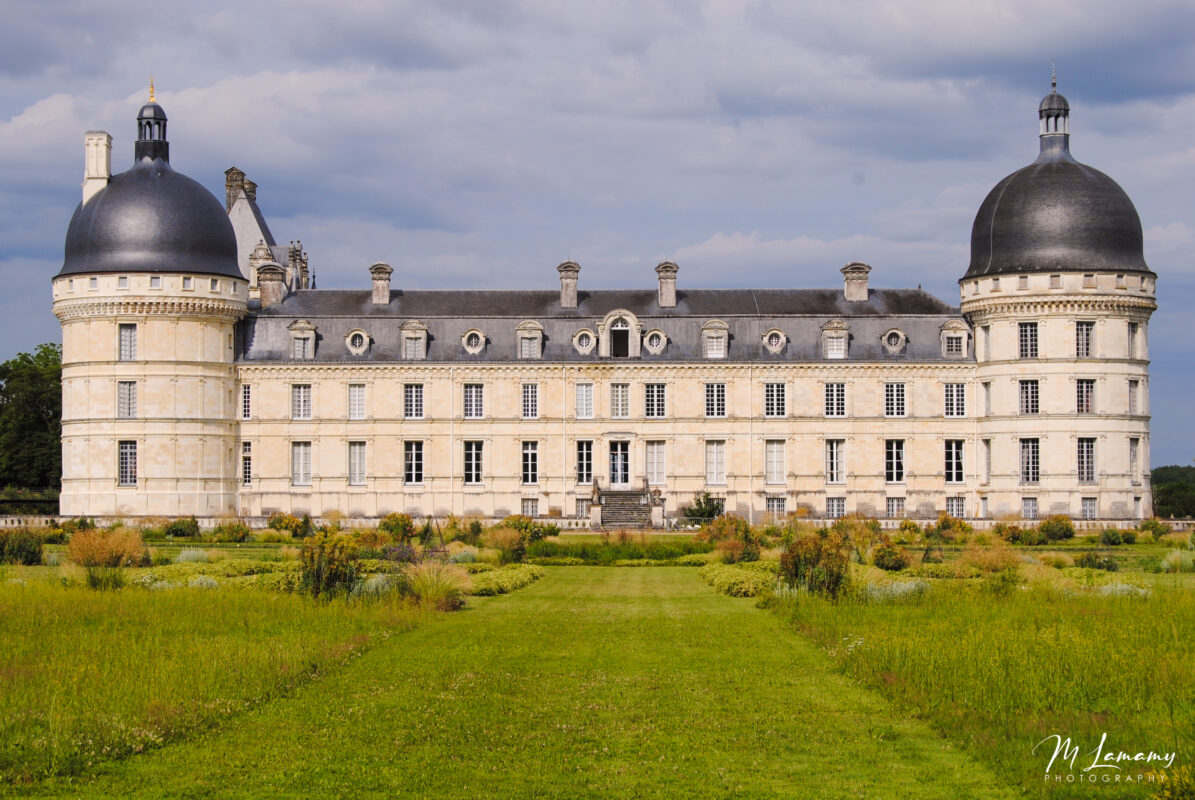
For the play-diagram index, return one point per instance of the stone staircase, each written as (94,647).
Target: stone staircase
(628,509)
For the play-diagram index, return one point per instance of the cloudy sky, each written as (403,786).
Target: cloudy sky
(479,144)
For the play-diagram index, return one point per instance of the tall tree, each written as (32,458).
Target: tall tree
(31,418)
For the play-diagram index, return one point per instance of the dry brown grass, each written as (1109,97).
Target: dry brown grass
(1056,560)
(121,547)
(506,539)
(996,558)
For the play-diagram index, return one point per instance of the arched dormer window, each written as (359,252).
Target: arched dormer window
(774,341)
(302,340)
(530,337)
(954,336)
(414,340)
(357,342)
(835,339)
(715,339)
(473,341)
(619,335)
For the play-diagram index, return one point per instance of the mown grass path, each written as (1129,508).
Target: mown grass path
(594,682)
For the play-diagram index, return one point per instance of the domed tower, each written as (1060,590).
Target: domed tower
(1060,297)
(148,296)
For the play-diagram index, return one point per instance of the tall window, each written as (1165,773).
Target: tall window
(987,342)
(1084,335)
(584,461)
(715,347)
(300,348)
(473,462)
(529,506)
(956,507)
(715,400)
(1087,506)
(300,463)
(530,401)
(126,463)
(620,400)
(835,346)
(987,399)
(300,401)
(246,401)
(1133,388)
(894,460)
(894,399)
(530,462)
(654,401)
(835,460)
(1086,460)
(656,473)
(1029,397)
(356,401)
(1029,508)
(1134,447)
(412,348)
(128,342)
(1030,460)
(1085,396)
(715,463)
(1131,351)
(774,401)
(1028,339)
(835,399)
(412,400)
(835,507)
(474,402)
(584,401)
(528,347)
(412,462)
(987,460)
(774,506)
(356,463)
(774,461)
(956,400)
(894,506)
(954,460)
(126,399)
(246,463)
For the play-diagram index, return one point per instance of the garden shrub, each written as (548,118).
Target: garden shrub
(991,559)
(737,580)
(1178,561)
(230,531)
(438,585)
(466,555)
(505,579)
(511,544)
(1093,560)
(121,547)
(532,530)
(1110,537)
(951,570)
(191,556)
(286,522)
(896,591)
(71,526)
(948,528)
(104,578)
(818,563)
(327,564)
(890,557)
(725,526)
(704,507)
(1057,527)
(1129,536)
(473,533)
(187,528)
(20,546)
(730,551)
(1056,560)
(1155,528)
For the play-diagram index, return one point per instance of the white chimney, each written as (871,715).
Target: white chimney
(667,272)
(380,272)
(855,288)
(569,271)
(97,162)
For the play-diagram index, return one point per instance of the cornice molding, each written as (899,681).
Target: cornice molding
(1059,304)
(140,307)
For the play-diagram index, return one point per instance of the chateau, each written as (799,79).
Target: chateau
(203,373)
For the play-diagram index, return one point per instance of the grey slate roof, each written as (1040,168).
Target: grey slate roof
(749,313)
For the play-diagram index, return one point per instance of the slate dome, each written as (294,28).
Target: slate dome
(151,218)
(1056,215)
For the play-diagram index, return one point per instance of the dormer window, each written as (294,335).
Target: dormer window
(654,342)
(357,342)
(835,334)
(583,341)
(155,281)
(620,338)
(188,283)
(473,341)
(531,337)
(774,340)
(414,340)
(302,343)
(954,339)
(715,337)
(894,341)
(122,282)
(619,335)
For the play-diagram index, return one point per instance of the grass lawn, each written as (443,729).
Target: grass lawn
(593,682)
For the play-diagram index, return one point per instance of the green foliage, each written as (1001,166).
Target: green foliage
(286,522)
(1093,560)
(31,418)
(438,585)
(1128,536)
(400,526)
(737,580)
(532,530)
(20,546)
(326,564)
(704,507)
(230,531)
(890,557)
(104,578)
(187,528)
(1057,528)
(606,553)
(1110,537)
(819,563)
(70,526)
(1178,561)
(948,529)
(505,579)
(1154,528)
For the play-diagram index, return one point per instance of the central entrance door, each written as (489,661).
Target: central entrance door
(620,465)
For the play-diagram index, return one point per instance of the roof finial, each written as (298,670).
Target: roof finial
(151,89)
(1053,78)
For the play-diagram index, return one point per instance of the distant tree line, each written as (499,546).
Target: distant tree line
(1174,491)
(31,419)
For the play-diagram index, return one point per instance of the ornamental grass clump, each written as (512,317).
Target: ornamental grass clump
(438,585)
(1179,561)
(120,547)
(820,563)
(327,564)
(510,544)
(20,546)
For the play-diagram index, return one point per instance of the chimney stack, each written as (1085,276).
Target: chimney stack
(97,162)
(855,287)
(234,180)
(569,271)
(667,272)
(380,272)
(270,283)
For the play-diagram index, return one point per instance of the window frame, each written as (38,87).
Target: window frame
(620,401)
(530,392)
(1084,339)
(1085,464)
(775,400)
(583,400)
(655,400)
(894,461)
(412,401)
(473,405)
(530,453)
(835,461)
(715,462)
(474,462)
(655,462)
(126,463)
(300,463)
(1085,395)
(126,399)
(356,401)
(954,399)
(412,462)
(715,400)
(357,469)
(954,463)
(835,394)
(584,471)
(1030,448)
(126,341)
(774,462)
(300,402)
(1027,340)
(1029,397)
(895,404)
